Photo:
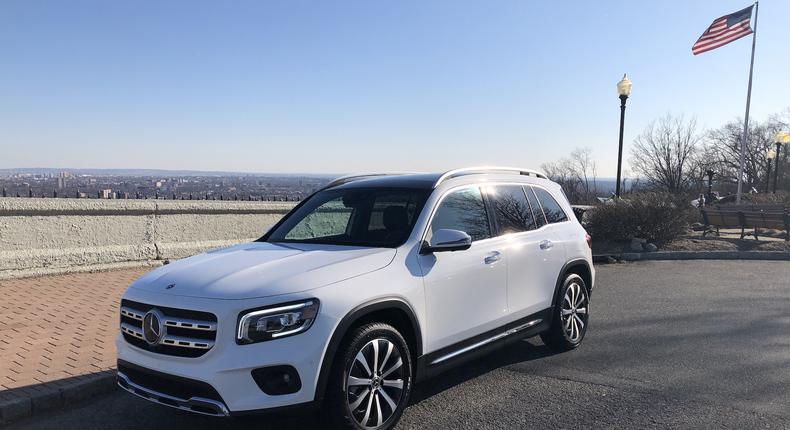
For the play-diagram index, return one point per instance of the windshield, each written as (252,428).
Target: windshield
(374,217)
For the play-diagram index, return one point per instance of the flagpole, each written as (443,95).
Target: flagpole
(745,137)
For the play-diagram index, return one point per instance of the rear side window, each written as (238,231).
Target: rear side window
(540,220)
(551,208)
(511,209)
(463,210)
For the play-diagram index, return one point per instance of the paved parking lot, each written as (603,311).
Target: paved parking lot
(688,344)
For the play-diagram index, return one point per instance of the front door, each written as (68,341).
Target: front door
(465,291)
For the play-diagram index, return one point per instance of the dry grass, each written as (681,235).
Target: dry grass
(700,244)
(774,246)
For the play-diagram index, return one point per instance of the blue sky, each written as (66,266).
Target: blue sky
(320,86)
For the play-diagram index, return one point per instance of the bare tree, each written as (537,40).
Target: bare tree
(665,154)
(576,174)
(723,145)
(560,172)
(585,169)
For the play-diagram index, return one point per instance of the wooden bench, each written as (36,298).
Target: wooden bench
(752,208)
(719,218)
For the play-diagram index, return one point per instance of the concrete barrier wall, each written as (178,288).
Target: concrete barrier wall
(39,236)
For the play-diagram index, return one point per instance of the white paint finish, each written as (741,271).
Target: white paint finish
(464,296)
(532,271)
(227,366)
(263,269)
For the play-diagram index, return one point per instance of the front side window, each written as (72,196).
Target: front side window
(551,208)
(511,209)
(463,210)
(331,218)
(354,216)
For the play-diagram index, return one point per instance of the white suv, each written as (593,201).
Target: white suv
(369,285)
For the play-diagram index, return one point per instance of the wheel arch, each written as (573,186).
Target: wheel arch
(579,267)
(394,311)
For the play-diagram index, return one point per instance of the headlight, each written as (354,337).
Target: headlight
(260,325)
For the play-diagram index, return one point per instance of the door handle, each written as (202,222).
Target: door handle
(493,257)
(546,244)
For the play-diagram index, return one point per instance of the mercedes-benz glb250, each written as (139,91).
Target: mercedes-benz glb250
(371,284)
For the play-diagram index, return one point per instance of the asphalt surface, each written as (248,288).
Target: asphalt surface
(672,344)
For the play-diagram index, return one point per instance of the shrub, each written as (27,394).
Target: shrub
(657,217)
(767,198)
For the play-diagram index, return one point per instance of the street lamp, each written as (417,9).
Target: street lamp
(624,90)
(781,139)
(710,174)
(770,155)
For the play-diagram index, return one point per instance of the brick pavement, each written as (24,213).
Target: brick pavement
(57,338)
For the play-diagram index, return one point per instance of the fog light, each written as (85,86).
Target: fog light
(277,380)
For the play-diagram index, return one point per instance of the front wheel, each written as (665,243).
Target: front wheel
(371,380)
(572,313)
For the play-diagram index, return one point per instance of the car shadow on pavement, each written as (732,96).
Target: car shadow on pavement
(518,352)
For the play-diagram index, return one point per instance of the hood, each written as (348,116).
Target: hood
(261,269)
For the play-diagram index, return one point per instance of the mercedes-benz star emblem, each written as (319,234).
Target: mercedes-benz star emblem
(153,327)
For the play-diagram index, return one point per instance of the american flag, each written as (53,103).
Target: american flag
(725,30)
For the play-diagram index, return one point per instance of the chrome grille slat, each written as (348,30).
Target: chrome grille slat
(134,331)
(186,342)
(190,324)
(131,313)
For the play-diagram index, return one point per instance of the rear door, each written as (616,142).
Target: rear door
(517,222)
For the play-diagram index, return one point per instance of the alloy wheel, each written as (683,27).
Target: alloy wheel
(374,386)
(574,312)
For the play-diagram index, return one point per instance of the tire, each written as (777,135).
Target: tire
(357,401)
(570,320)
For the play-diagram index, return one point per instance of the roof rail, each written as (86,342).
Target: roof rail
(487,169)
(350,178)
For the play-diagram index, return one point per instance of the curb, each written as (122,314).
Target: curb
(56,395)
(707,255)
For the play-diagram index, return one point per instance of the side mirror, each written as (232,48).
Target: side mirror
(447,240)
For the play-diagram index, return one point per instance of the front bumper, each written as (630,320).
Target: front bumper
(227,367)
(131,378)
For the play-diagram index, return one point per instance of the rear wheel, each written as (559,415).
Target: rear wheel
(371,380)
(572,313)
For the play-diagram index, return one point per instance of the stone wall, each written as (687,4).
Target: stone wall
(40,236)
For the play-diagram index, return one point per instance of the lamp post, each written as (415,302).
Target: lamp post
(710,174)
(624,90)
(781,139)
(770,155)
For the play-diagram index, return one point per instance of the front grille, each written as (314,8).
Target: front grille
(188,333)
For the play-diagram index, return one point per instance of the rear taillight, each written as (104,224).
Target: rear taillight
(588,238)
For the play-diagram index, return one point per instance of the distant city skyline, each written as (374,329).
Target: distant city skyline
(350,86)
(177,185)
(147,172)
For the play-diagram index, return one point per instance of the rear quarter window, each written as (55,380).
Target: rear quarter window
(551,208)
